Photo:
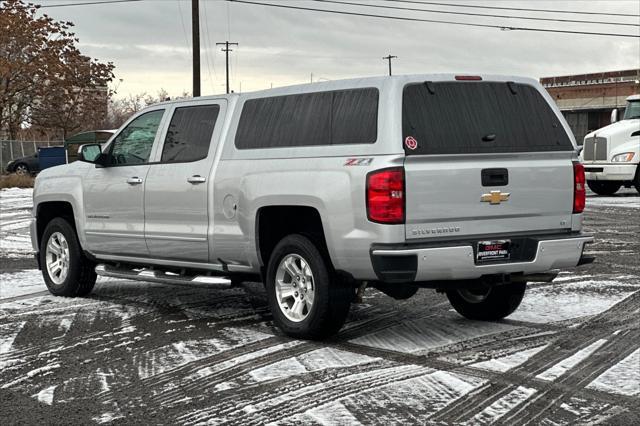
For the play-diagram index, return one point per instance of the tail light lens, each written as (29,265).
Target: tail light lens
(385,196)
(579,191)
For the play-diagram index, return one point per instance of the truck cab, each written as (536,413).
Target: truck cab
(611,154)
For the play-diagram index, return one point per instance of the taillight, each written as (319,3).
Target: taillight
(579,191)
(385,196)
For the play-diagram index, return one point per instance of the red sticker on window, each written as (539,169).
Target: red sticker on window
(411,142)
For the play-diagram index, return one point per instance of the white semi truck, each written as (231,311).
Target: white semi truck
(611,155)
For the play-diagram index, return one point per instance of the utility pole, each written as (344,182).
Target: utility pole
(195,34)
(226,50)
(389,58)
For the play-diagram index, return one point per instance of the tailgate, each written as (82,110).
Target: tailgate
(447,197)
(484,158)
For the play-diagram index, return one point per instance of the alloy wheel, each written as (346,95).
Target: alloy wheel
(295,287)
(57,258)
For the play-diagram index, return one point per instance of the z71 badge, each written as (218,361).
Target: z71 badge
(358,161)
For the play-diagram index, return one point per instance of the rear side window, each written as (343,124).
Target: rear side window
(189,134)
(478,117)
(321,118)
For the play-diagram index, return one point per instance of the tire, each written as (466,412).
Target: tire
(21,169)
(397,291)
(489,304)
(604,187)
(309,302)
(80,277)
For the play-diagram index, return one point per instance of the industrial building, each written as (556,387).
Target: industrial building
(587,100)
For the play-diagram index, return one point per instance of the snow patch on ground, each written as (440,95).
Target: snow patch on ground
(21,283)
(15,216)
(561,302)
(318,360)
(568,363)
(333,413)
(46,395)
(502,406)
(107,417)
(508,362)
(632,202)
(420,336)
(177,354)
(8,334)
(623,378)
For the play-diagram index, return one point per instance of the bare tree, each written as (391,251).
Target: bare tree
(123,108)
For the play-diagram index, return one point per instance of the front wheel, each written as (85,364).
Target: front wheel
(65,269)
(306,298)
(487,303)
(604,187)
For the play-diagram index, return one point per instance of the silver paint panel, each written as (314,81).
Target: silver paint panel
(176,210)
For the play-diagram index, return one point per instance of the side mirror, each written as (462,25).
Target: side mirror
(90,153)
(614,115)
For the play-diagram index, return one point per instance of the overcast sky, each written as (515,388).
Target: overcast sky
(149,42)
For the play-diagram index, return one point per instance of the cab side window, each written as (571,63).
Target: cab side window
(189,134)
(133,144)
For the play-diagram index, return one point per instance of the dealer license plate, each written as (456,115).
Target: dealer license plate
(493,250)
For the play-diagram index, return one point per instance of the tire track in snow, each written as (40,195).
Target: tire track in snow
(471,405)
(612,352)
(309,395)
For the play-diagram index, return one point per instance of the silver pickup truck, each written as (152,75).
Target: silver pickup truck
(469,185)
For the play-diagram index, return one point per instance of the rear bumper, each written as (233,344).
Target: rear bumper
(617,172)
(457,262)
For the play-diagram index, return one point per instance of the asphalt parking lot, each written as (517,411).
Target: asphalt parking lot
(137,352)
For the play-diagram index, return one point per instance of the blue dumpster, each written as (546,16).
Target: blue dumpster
(51,156)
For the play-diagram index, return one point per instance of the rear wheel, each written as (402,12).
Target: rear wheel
(604,187)
(66,271)
(487,303)
(306,298)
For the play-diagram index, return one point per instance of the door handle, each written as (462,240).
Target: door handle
(135,180)
(196,179)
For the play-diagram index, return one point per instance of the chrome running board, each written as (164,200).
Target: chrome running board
(150,275)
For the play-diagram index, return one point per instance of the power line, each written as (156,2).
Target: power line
(449,12)
(208,48)
(89,3)
(515,8)
(437,21)
(184,28)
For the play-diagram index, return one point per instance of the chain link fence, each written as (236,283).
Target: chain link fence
(10,150)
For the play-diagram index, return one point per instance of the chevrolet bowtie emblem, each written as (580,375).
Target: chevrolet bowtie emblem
(495,197)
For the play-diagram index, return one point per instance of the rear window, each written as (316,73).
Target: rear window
(321,118)
(478,117)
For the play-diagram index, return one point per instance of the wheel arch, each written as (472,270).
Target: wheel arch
(46,211)
(274,222)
